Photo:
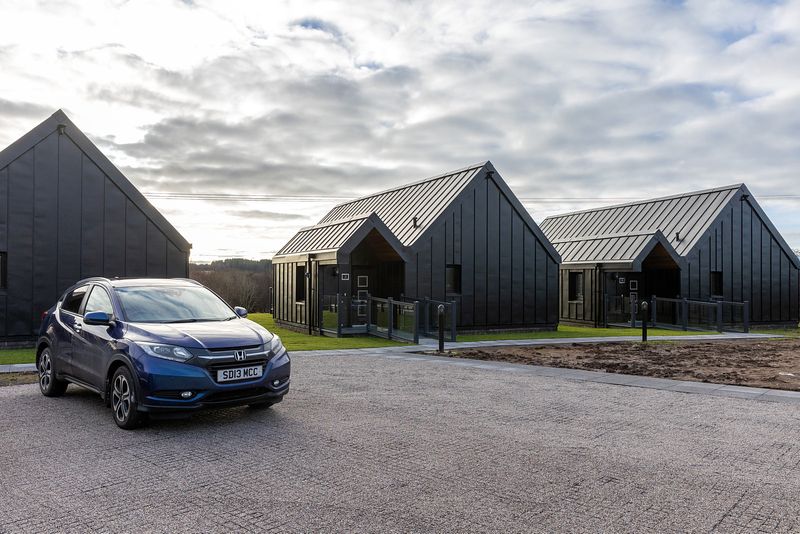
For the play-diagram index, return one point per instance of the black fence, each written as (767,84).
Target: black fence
(684,314)
(402,319)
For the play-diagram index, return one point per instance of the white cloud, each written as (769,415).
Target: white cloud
(568,99)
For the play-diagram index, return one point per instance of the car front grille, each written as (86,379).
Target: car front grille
(233,349)
(235,394)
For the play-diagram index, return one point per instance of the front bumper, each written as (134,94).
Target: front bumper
(162,381)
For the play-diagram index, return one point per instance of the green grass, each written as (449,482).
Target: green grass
(297,341)
(788,332)
(9,356)
(565,331)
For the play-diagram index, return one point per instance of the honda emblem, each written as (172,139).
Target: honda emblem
(240,355)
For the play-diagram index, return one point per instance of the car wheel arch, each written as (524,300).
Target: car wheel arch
(116,362)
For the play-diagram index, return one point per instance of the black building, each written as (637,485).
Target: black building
(461,236)
(716,244)
(67,213)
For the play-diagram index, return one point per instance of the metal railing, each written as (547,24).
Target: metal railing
(402,318)
(719,315)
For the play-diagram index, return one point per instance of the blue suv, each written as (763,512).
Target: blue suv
(158,346)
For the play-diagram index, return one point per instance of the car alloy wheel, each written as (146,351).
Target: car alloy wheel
(121,398)
(49,384)
(45,370)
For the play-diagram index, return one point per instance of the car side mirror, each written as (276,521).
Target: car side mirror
(99,318)
(241,312)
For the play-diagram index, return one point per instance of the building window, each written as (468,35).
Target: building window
(300,284)
(3,275)
(716,283)
(576,286)
(453,279)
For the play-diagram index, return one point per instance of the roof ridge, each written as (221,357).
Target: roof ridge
(646,201)
(412,184)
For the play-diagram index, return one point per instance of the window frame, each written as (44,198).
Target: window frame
(458,286)
(572,286)
(300,288)
(716,278)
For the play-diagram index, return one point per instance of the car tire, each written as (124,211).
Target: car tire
(49,385)
(124,406)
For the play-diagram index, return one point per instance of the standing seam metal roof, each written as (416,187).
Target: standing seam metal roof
(396,208)
(615,233)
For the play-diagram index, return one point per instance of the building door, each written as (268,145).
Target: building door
(362,281)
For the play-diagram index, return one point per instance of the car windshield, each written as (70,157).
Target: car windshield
(172,305)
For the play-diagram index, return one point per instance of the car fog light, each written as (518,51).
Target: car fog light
(186,394)
(276,382)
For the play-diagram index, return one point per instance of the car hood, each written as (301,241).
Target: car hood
(208,335)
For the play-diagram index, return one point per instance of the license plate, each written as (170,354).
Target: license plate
(240,373)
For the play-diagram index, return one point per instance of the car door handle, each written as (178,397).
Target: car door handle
(78,327)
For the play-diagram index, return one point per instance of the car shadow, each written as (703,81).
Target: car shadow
(86,401)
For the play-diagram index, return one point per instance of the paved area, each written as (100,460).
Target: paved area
(388,441)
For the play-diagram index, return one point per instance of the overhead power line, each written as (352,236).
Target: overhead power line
(234,197)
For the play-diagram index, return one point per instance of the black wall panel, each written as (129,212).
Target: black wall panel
(61,219)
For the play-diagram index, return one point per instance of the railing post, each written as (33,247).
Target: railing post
(338,315)
(416,322)
(685,314)
(369,311)
(390,317)
(719,316)
(453,321)
(605,310)
(633,313)
(746,317)
(653,311)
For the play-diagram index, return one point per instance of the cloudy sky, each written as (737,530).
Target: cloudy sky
(291,107)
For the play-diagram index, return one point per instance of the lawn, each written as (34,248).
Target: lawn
(9,356)
(577,331)
(297,341)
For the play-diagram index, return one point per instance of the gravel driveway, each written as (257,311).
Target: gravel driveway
(384,443)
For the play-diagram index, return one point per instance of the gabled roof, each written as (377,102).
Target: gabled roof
(52,124)
(406,212)
(682,220)
(425,200)
(624,251)
(341,236)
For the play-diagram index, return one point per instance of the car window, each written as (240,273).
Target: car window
(72,303)
(99,301)
(160,304)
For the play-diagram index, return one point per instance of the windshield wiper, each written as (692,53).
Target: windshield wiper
(182,321)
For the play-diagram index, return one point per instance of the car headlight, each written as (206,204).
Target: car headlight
(167,352)
(276,347)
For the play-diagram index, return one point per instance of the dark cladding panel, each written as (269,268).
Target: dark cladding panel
(3,208)
(531,276)
(176,262)
(114,231)
(468,259)
(93,210)
(45,227)
(156,252)
(69,212)
(493,254)
(136,241)
(518,232)
(479,303)
(504,265)
(20,245)
(438,263)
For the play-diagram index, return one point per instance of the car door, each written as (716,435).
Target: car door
(92,348)
(69,326)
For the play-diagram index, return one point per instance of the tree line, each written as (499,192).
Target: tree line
(240,282)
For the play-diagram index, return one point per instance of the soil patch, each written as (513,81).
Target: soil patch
(13,379)
(757,363)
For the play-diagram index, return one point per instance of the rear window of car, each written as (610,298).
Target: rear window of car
(72,303)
